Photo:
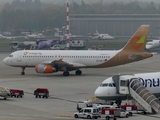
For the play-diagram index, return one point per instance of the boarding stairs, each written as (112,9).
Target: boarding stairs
(131,85)
(143,96)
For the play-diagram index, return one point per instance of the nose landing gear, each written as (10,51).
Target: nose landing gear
(23,73)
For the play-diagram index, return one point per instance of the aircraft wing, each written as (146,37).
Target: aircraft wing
(61,63)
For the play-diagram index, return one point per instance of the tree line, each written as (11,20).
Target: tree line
(33,15)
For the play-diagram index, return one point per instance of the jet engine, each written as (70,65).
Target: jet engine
(42,68)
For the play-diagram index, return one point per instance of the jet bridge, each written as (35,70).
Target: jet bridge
(131,85)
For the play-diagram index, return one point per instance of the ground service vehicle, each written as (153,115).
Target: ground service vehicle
(41,92)
(4,92)
(88,113)
(58,47)
(131,108)
(83,104)
(16,93)
(113,113)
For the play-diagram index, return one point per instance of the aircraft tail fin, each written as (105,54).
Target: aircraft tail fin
(97,32)
(138,41)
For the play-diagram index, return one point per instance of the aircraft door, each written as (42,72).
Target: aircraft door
(19,57)
(123,85)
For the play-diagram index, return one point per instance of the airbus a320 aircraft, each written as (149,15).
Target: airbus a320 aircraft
(49,61)
(143,88)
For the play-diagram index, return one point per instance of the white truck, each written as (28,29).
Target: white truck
(88,113)
(73,44)
(83,104)
(4,92)
(113,113)
(58,47)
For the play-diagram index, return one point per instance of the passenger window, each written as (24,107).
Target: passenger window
(105,85)
(89,111)
(81,111)
(10,55)
(123,83)
(110,85)
(85,110)
(94,110)
(113,84)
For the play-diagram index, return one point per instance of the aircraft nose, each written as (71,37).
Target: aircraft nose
(5,61)
(98,92)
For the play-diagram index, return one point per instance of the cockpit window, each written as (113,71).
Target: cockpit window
(113,84)
(110,85)
(107,85)
(10,55)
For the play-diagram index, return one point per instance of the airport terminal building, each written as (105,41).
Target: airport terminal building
(114,24)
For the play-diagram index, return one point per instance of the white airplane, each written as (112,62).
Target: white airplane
(101,36)
(49,61)
(117,88)
(9,37)
(33,36)
(153,44)
(108,91)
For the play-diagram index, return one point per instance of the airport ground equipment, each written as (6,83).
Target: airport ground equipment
(16,45)
(16,93)
(130,108)
(41,92)
(131,85)
(89,113)
(73,45)
(84,104)
(58,47)
(4,92)
(113,113)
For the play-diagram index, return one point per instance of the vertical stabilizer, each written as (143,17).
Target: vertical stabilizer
(138,40)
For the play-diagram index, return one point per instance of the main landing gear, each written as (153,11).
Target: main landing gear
(65,73)
(23,73)
(78,72)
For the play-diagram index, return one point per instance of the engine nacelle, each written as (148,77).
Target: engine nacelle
(42,68)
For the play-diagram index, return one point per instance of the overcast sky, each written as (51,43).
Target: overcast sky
(57,1)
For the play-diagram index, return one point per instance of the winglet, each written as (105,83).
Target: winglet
(138,40)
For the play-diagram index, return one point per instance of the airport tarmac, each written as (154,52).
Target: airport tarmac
(64,91)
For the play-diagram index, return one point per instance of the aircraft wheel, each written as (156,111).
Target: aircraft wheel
(22,73)
(23,69)
(76,116)
(78,72)
(66,73)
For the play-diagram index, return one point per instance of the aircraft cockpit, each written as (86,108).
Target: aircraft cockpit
(149,43)
(107,85)
(10,55)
